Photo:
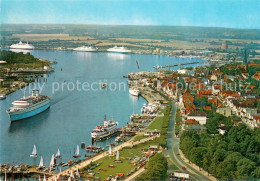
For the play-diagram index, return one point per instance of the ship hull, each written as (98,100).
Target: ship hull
(29,113)
(134,93)
(118,51)
(85,50)
(22,48)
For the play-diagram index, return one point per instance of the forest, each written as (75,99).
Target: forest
(234,155)
(12,57)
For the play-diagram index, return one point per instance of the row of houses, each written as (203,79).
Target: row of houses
(239,103)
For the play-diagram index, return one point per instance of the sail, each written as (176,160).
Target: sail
(52,161)
(58,153)
(71,174)
(77,173)
(77,150)
(117,155)
(34,152)
(44,178)
(110,150)
(41,162)
(5,176)
(39,178)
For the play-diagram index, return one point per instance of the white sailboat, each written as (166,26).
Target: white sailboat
(58,155)
(117,155)
(34,152)
(71,174)
(44,178)
(52,162)
(77,173)
(5,176)
(110,150)
(76,154)
(41,163)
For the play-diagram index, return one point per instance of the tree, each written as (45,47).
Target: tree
(245,167)
(197,155)
(157,169)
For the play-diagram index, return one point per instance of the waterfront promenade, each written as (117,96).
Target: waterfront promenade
(67,172)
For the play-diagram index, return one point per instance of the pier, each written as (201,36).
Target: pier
(20,171)
(174,65)
(113,133)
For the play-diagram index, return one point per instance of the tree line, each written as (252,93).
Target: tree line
(16,58)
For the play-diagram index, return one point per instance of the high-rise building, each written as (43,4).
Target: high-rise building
(224,46)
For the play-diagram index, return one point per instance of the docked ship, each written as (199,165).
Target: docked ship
(22,46)
(108,126)
(134,91)
(86,49)
(28,106)
(117,49)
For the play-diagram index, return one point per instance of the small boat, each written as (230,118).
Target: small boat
(118,139)
(76,153)
(77,173)
(64,164)
(2,96)
(104,85)
(41,163)
(34,152)
(58,155)
(52,162)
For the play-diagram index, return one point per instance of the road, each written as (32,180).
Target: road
(174,155)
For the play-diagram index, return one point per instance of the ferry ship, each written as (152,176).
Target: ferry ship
(134,92)
(86,49)
(28,106)
(22,46)
(117,49)
(108,126)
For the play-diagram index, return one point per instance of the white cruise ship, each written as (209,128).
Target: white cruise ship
(108,126)
(22,46)
(117,49)
(29,106)
(86,49)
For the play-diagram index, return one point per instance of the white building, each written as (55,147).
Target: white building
(199,116)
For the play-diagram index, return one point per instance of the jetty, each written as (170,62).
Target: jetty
(174,65)
(113,133)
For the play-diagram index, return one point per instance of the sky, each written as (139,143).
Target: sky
(207,13)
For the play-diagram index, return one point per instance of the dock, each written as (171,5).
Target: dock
(174,65)
(113,133)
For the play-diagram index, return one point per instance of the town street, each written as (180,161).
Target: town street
(173,153)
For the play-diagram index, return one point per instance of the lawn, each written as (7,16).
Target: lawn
(103,171)
(157,123)
(126,156)
(139,137)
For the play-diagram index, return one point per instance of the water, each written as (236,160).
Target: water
(73,114)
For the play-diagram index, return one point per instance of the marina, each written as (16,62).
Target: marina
(64,103)
(174,65)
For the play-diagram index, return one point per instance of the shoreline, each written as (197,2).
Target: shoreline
(32,71)
(86,162)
